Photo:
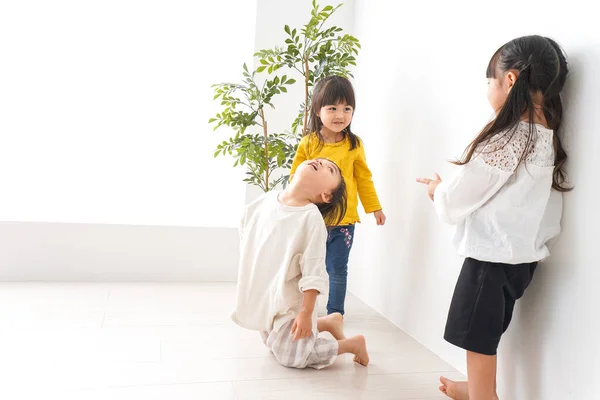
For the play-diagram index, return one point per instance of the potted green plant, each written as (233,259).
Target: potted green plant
(313,52)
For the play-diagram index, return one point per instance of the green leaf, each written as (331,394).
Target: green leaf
(261,68)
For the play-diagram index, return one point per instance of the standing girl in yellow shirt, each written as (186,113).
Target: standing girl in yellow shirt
(329,136)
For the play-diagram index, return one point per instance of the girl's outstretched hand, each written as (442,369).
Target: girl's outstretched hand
(431,184)
(379,217)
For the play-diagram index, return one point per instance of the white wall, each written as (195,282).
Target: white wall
(421,96)
(38,251)
(104,110)
(105,150)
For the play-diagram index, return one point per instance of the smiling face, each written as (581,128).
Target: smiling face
(336,117)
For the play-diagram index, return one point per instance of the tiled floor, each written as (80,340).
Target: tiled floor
(175,341)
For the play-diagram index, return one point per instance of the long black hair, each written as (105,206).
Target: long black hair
(331,90)
(542,68)
(333,212)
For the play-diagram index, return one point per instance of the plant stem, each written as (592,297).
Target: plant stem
(306,72)
(265,132)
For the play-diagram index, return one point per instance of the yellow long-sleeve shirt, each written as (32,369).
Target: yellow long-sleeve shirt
(354,168)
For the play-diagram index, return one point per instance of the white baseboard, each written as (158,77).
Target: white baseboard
(95,252)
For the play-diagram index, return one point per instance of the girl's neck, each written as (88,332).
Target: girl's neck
(330,136)
(293,196)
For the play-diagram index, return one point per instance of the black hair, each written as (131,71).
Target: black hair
(333,89)
(542,68)
(334,211)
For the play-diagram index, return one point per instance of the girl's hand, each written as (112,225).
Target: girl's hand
(379,217)
(431,183)
(302,326)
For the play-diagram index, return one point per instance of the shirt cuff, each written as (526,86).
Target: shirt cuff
(318,283)
(372,208)
(438,201)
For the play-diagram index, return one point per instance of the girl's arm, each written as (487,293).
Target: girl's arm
(476,182)
(312,263)
(302,326)
(364,181)
(314,278)
(301,155)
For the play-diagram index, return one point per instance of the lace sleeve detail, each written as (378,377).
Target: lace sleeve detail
(503,152)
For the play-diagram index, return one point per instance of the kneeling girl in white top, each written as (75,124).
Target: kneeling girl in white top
(282,269)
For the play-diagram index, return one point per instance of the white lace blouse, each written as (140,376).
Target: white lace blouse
(504,214)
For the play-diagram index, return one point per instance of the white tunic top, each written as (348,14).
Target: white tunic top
(504,214)
(282,254)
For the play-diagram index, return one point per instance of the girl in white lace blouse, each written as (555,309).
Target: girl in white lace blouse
(506,201)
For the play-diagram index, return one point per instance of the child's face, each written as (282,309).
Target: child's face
(336,117)
(496,96)
(320,177)
(499,88)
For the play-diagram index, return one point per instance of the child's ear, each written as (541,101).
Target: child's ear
(326,197)
(511,78)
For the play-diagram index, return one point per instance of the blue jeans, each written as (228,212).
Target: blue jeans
(339,244)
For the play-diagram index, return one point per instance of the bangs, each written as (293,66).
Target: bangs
(338,91)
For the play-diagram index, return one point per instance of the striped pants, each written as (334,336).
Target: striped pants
(317,351)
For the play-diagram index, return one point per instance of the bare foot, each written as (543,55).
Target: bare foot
(454,390)
(334,324)
(359,345)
